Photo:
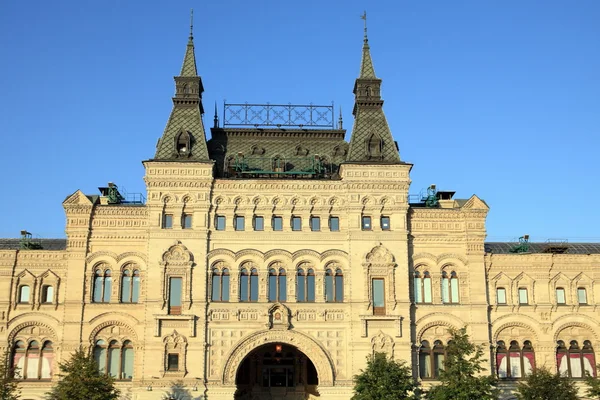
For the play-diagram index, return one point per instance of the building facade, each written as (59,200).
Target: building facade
(269,261)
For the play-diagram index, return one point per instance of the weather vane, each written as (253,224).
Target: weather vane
(364,17)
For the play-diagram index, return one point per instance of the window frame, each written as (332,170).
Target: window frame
(36,353)
(523,290)
(312,220)
(574,349)
(44,294)
(171,309)
(220,274)
(363,223)
(382,223)
(507,353)
(334,218)
(376,309)
(262,219)
(308,296)
(220,222)
(20,294)
(331,278)
(432,354)
(172,356)
(236,223)
(498,302)
(186,217)
(296,223)
(564,296)
(167,217)
(278,275)
(277,223)
(250,272)
(584,291)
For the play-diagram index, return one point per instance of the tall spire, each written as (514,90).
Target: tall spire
(371,140)
(184,138)
(216,118)
(366,65)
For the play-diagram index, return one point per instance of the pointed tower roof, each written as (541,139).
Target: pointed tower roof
(184,137)
(371,140)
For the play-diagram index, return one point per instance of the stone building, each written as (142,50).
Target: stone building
(269,261)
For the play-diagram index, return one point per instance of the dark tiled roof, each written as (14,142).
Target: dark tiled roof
(566,248)
(47,244)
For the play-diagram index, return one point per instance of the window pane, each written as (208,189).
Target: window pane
(272,288)
(528,362)
(127,364)
(385,223)
(135,293)
(334,224)
(296,223)
(253,287)
(282,288)
(328,288)
(427,290)
(366,223)
(454,289)
(33,359)
(107,289)
(277,224)
(315,224)
(167,221)
(100,357)
(24,295)
(515,364)
(501,296)
(48,294)
(98,289)
(239,223)
(300,288)
(581,296)
(424,365)
(560,296)
(378,293)
(310,290)
(574,361)
(259,223)
(175,292)
(47,357)
(417,285)
(220,223)
(339,288)
(187,221)
(501,360)
(445,290)
(173,362)
(244,288)
(114,362)
(522,296)
(225,288)
(125,289)
(216,282)
(438,363)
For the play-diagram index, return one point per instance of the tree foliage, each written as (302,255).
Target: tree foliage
(462,377)
(593,390)
(542,384)
(9,389)
(81,380)
(384,379)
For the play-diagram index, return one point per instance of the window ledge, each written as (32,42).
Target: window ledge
(189,318)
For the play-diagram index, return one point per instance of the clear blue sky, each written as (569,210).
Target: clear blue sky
(496,98)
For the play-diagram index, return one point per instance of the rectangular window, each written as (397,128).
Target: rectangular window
(47,294)
(175,290)
(581,296)
(239,223)
(501,296)
(259,223)
(173,362)
(220,222)
(366,223)
(167,221)
(334,224)
(186,221)
(523,296)
(560,296)
(315,223)
(378,296)
(296,223)
(277,223)
(385,223)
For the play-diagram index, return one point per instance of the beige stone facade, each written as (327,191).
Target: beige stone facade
(391,283)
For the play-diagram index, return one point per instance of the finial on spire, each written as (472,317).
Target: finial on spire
(216,120)
(191,24)
(340,122)
(364,18)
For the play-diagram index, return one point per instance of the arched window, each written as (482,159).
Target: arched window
(581,296)
(130,286)
(24,293)
(220,284)
(449,287)
(32,361)
(102,286)
(560,296)
(277,285)
(431,360)
(47,294)
(575,362)
(249,285)
(305,285)
(422,287)
(115,359)
(334,286)
(514,362)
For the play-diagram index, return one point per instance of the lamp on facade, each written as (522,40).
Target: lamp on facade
(149,388)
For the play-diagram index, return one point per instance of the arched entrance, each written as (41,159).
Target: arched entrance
(276,371)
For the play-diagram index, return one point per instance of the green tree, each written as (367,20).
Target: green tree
(593,382)
(462,378)
(9,389)
(81,380)
(384,379)
(542,384)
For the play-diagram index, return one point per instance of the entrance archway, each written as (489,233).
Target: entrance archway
(274,371)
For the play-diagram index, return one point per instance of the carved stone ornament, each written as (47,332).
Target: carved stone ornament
(380,255)
(383,343)
(279,317)
(177,254)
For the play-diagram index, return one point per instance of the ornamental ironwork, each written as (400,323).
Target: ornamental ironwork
(278,115)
